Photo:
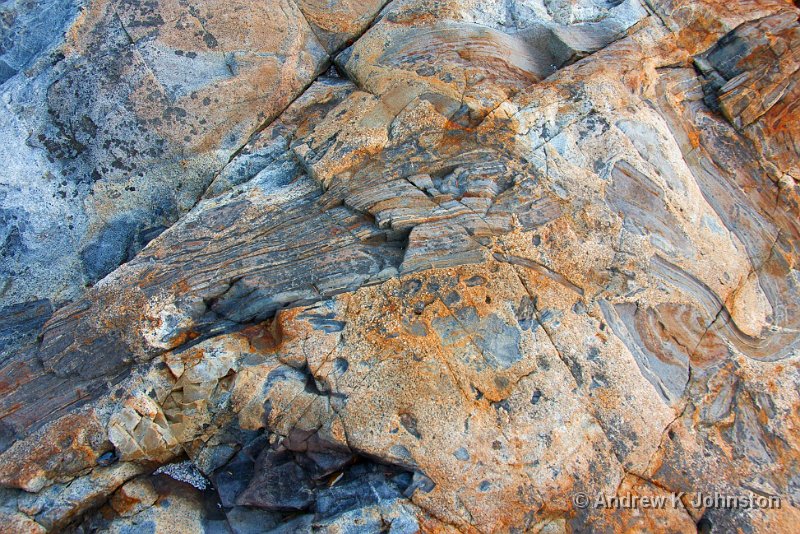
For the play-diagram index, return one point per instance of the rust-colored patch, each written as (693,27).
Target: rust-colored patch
(265,337)
(74,443)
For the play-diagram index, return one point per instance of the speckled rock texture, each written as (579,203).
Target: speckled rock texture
(411,266)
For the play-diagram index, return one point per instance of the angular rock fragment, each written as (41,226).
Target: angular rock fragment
(279,484)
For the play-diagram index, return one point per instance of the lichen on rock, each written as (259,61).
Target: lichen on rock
(404,266)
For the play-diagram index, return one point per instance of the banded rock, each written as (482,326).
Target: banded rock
(523,250)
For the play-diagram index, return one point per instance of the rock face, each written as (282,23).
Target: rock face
(416,266)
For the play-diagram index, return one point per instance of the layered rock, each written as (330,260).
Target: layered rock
(116,129)
(502,254)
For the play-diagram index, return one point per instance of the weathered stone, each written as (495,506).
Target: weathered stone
(279,484)
(133,497)
(58,505)
(524,251)
(756,66)
(74,444)
(178,507)
(120,124)
(338,23)
(20,325)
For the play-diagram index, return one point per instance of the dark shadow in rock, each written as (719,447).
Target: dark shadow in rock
(265,486)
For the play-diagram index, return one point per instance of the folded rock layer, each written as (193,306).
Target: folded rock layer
(405,266)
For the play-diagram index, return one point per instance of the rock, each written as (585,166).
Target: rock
(16,522)
(59,505)
(278,484)
(21,323)
(74,444)
(29,29)
(133,497)
(336,24)
(499,256)
(178,507)
(755,86)
(141,81)
(366,490)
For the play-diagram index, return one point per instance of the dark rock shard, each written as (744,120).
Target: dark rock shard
(278,484)
(364,489)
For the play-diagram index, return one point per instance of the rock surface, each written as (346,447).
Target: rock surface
(416,266)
